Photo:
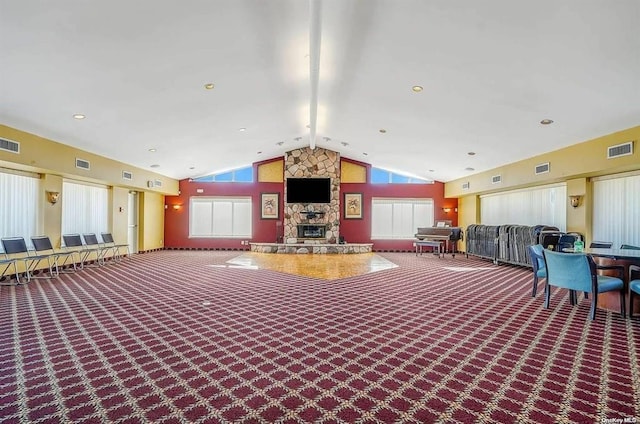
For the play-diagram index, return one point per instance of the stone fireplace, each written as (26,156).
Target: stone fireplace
(317,218)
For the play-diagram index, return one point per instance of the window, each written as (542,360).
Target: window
(240,175)
(615,210)
(85,208)
(220,217)
(546,205)
(399,218)
(382,176)
(19,203)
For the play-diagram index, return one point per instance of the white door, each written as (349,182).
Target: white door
(132,222)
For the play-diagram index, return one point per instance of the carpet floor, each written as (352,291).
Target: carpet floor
(181,337)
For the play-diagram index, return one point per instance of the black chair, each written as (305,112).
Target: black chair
(73,243)
(634,285)
(91,241)
(6,264)
(577,272)
(42,245)
(566,241)
(109,242)
(539,267)
(16,248)
(601,244)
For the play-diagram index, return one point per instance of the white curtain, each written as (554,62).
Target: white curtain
(85,208)
(19,206)
(399,218)
(220,217)
(545,205)
(616,210)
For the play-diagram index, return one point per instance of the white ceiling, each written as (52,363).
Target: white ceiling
(491,70)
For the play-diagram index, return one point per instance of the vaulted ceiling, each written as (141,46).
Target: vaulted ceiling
(335,73)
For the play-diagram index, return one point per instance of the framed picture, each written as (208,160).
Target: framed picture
(270,206)
(353,206)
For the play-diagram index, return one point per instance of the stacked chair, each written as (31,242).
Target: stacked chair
(15,249)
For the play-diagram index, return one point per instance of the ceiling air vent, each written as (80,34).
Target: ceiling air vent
(543,168)
(496,179)
(465,186)
(624,149)
(83,164)
(126,175)
(157,183)
(9,146)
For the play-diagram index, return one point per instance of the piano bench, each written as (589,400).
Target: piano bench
(437,247)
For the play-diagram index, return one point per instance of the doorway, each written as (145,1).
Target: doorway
(132,221)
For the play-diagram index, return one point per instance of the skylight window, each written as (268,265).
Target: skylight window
(240,175)
(383,176)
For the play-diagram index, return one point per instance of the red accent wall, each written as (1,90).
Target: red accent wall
(176,232)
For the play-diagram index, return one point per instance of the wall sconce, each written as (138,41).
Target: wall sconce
(446,210)
(53,197)
(575,200)
(176,207)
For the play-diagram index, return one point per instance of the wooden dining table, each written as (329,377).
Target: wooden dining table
(607,257)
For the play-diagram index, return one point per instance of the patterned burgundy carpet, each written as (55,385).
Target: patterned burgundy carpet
(167,338)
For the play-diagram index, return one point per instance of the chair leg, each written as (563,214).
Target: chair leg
(535,286)
(547,296)
(623,304)
(594,304)
(631,303)
(586,295)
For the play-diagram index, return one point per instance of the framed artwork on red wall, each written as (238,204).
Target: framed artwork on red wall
(270,205)
(352,206)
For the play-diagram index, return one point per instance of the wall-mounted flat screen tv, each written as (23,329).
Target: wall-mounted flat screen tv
(308,190)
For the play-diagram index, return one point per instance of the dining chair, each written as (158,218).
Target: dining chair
(539,268)
(601,244)
(578,272)
(634,285)
(630,247)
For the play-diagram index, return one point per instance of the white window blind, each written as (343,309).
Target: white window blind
(85,208)
(616,210)
(19,206)
(399,218)
(220,217)
(545,205)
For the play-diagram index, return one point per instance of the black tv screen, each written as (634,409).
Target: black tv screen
(308,190)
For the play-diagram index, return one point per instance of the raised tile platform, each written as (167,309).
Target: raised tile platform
(317,248)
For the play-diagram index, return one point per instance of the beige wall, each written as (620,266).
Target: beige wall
(55,161)
(574,165)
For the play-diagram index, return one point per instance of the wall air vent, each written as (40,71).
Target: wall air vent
(83,164)
(126,175)
(496,179)
(465,186)
(624,149)
(157,183)
(9,145)
(543,168)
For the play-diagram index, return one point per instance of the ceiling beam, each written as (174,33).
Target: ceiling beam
(315,36)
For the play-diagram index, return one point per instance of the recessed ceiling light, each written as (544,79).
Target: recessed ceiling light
(209,86)
(417,88)
(471,153)
(469,169)
(546,121)
(297,139)
(365,154)
(279,143)
(192,167)
(432,170)
(152,150)
(242,129)
(382,130)
(344,143)
(326,138)
(79,116)
(155,165)
(260,152)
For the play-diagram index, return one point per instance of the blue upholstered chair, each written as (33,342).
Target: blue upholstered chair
(630,247)
(539,268)
(601,244)
(634,285)
(577,272)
